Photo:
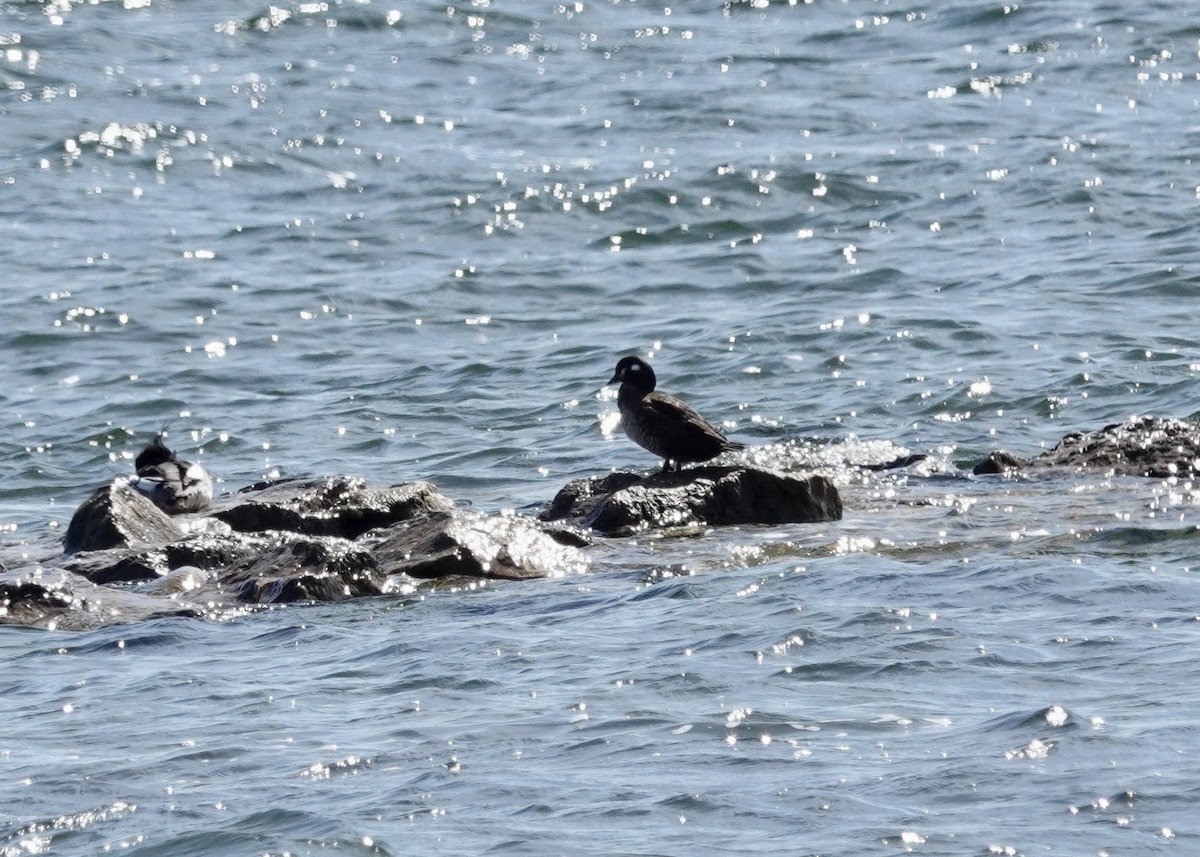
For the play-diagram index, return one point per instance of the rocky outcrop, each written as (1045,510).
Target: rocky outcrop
(337,538)
(1141,446)
(625,503)
(295,540)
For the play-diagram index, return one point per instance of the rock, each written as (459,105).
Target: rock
(298,540)
(565,534)
(214,551)
(119,565)
(715,495)
(117,516)
(340,506)
(210,551)
(469,544)
(1141,446)
(258,568)
(998,462)
(58,600)
(26,602)
(583,493)
(897,463)
(180,582)
(277,542)
(323,568)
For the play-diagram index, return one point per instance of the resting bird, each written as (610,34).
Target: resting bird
(174,486)
(663,424)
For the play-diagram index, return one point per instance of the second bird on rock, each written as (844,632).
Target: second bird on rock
(664,424)
(175,486)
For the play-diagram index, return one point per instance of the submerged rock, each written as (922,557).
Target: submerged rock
(55,599)
(999,462)
(623,503)
(897,463)
(1141,446)
(179,583)
(30,602)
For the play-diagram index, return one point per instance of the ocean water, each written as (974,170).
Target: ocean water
(410,240)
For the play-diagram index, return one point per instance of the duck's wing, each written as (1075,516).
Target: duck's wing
(676,418)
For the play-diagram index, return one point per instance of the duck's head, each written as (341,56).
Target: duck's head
(635,372)
(156,452)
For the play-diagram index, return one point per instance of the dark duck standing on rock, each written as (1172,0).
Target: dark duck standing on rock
(174,486)
(663,424)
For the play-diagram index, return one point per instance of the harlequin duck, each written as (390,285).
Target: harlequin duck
(174,486)
(663,424)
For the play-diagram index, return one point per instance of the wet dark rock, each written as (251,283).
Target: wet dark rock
(565,534)
(342,506)
(584,493)
(1141,446)
(205,550)
(623,503)
(56,599)
(117,516)
(998,462)
(213,551)
(119,565)
(898,463)
(24,602)
(469,544)
(323,568)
